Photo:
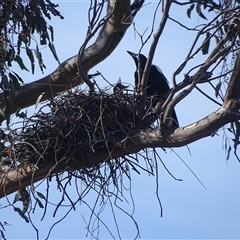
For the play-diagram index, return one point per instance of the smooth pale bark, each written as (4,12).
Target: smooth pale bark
(66,75)
(22,177)
(140,139)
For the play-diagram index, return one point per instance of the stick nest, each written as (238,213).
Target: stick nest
(75,125)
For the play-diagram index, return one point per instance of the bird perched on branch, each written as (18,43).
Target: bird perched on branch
(157,84)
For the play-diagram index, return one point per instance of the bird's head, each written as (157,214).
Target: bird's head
(119,87)
(141,57)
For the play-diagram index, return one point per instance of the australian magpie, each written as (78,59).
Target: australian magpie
(157,83)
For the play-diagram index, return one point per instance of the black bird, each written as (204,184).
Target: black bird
(157,83)
(118,88)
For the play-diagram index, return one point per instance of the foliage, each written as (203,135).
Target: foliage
(74,127)
(20,21)
(2,230)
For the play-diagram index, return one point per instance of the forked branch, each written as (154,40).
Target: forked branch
(138,140)
(66,75)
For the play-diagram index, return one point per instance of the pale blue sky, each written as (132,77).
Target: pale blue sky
(189,211)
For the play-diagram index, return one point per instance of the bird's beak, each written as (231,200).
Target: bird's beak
(133,55)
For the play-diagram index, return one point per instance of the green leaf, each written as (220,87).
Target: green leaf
(30,56)
(5,82)
(7,114)
(19,60)
(15,81)
(228,152)
(236,143)
(43,39)
(29,17)
(217,88)
(51,31)
(12,93)
(199,11)
(22,195)
(189,11)
(40,203)
(52,48)
(20,114)
(17,196)
(237,124)
(19,78)
(41,195)
(25,197)
(225,145)
(206,44)
(41,23)
(2,226)
(10,55)
(20,212)
(39,57)
(39,99)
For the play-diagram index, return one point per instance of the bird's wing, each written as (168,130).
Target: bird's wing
(160,70)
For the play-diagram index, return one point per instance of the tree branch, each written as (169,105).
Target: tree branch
(233,90)
(143,82)
(66,75)
(26,175)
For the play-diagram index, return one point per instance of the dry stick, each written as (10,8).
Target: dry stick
(66,75)
(136,142)
(215,54)
(61,79)
(184,93)
(150,56)
(142,83)
(90,33)
(190,54)
(152,138)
